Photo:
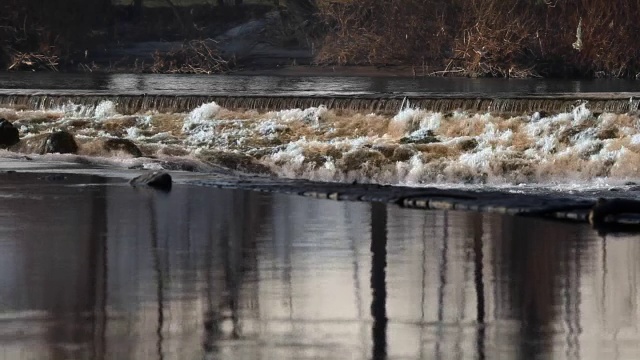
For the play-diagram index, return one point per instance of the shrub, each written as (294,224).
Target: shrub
(485,37)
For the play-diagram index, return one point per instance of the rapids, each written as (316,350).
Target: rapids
(415,147)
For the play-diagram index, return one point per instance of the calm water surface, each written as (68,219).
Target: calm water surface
(109,272)
(12,82)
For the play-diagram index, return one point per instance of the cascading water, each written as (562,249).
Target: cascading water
(388,104)
(413,146)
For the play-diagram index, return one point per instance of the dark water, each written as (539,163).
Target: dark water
(110,272)
(303,85)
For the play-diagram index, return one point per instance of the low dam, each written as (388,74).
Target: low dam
(177,93)
(131,103)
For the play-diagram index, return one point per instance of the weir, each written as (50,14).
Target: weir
(379,103)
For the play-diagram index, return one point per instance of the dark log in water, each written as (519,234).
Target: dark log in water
(624,218)
(386,103)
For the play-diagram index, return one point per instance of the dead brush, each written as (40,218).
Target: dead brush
(511,38)
(33,61)
(496,40)
(485,38)
(194,57)
(375,32)
(609,33)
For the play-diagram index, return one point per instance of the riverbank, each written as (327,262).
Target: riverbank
(505,39)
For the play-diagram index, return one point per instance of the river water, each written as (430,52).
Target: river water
(95,269)
(304,85)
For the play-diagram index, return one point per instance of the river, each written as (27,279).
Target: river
(92,268)
(310,85)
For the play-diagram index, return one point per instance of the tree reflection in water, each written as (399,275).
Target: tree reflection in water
(108,272)
(378,279)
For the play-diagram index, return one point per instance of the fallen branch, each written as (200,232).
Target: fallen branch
(195,57)
(605,208)
(33,61)
(445,72)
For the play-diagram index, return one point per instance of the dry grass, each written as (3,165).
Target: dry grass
(383,32)
(501,38)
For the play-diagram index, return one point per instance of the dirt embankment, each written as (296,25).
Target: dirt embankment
(478,38)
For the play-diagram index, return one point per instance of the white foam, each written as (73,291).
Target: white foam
(585,147)
(420,134)
(270,128)
(101,111)
(580,113)
(133,133)
(312,115)
(160,137)
(143,121)
(74,110)
(413,119)
(105,109)
(201,135)
(199,126)
(416,172)
(315,143)
(202,115)
(477,161)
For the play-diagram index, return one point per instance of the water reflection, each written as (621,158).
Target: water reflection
(378,280)
(108,272)
(303,85)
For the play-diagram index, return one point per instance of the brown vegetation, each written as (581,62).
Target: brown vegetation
(74,34)
(500,38)
(36,35)
(485,37)
(195,57)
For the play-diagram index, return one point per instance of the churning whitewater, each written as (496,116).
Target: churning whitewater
(414,147)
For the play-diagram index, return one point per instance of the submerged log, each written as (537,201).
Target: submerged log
(604,208)
(157,179)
